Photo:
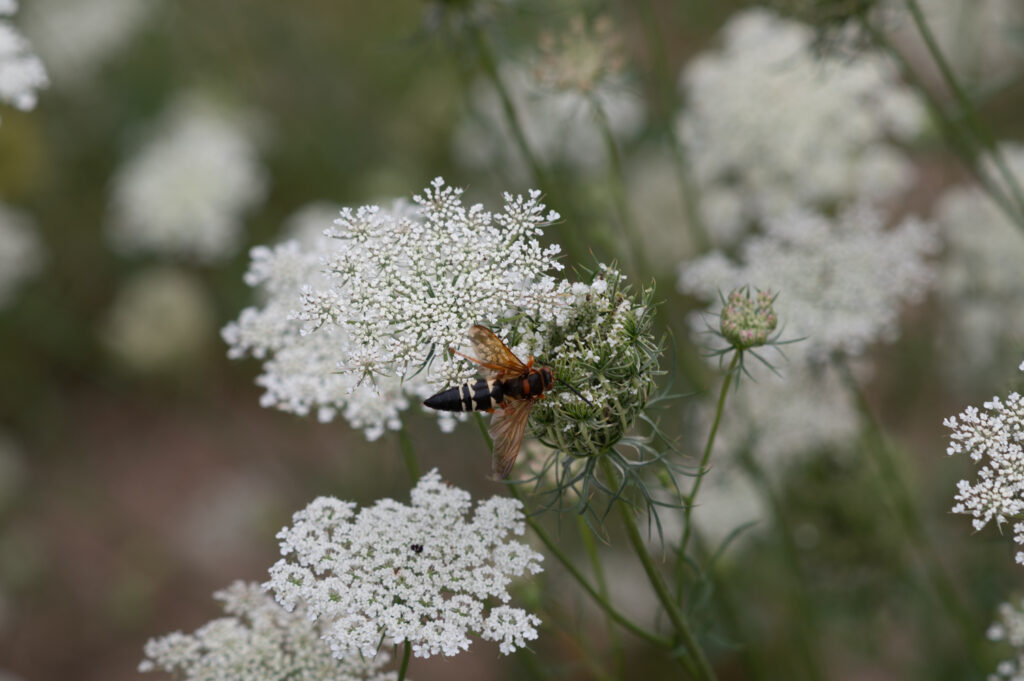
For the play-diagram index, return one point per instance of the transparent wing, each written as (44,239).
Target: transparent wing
(507,428)
(493,356)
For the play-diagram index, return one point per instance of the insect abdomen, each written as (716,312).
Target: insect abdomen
(474,396)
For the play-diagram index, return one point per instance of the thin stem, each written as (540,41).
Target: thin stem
(701,667)
(569,565)
(708,446)
(966,105)
(617,185)
(405,661)
(602,585)
(408,455)
(902,499)
(807,623)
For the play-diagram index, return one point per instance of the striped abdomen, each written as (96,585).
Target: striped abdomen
(474,396)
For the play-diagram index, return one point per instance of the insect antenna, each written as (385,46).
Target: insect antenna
(578,393)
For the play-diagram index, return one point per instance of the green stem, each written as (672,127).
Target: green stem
(807,623)
(900,496)
(405,661)
(701,667)
(569,565)
(602,585)
(966,105)
(617,185)
(708,446)
(408,455)
(961,142)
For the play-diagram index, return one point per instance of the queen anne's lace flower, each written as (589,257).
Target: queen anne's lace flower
(356,321)
(258,641)
(185,192)
(1009,628)
(422,574)
(840,281)
(21,254)
(770,124)
(21,71)
(992,437)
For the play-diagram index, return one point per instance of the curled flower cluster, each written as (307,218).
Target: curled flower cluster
(423,574)
(842,280)
(992,437)
(605,348)
(184,193)
(1009,628)
(818,135)
(258,641)
(21,72)
(358,321)
(746,322)
(581,57)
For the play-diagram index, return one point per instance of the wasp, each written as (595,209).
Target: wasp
(508,385)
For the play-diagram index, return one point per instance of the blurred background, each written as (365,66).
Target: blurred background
(138,471)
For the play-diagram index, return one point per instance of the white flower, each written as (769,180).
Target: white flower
(841,281)
(21,71)
(161,320)
(992,437)
(21,253)
(776,125)
(184,193)
(1009,628)
(979,280)
(75,38)
(356,322)
(258,641)
(559,126)
(423,574)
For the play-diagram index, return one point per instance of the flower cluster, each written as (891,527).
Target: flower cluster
(992,437)
(258,641)
(582,57)
(746,322)
(842,280)
(423,574)
(21,254)
(1009,628)
(185,192)
(21,72)
(559,125)
(359,320)
(75,38)
(818,134)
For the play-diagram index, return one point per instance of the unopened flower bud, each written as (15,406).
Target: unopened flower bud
(747,322)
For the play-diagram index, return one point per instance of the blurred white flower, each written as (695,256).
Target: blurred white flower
(161,320)
(422,574)
(21,72)
(21,253)
(185,191)
(356,321)
(773,125)
(1009,629)
(979,280)
(559,125)
(992,437)
(841,282)
(75,38)
(258,641)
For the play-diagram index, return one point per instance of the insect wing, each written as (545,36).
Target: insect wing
(495,357)
(507,428)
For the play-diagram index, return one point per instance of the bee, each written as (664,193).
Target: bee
(508,386)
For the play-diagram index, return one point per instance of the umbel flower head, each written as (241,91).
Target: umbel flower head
(425,574)
(21,72)
(1009,629)
(581,57)
(258,640)
(357,319)
(994,439)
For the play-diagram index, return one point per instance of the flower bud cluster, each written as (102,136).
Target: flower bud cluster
(747,322)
